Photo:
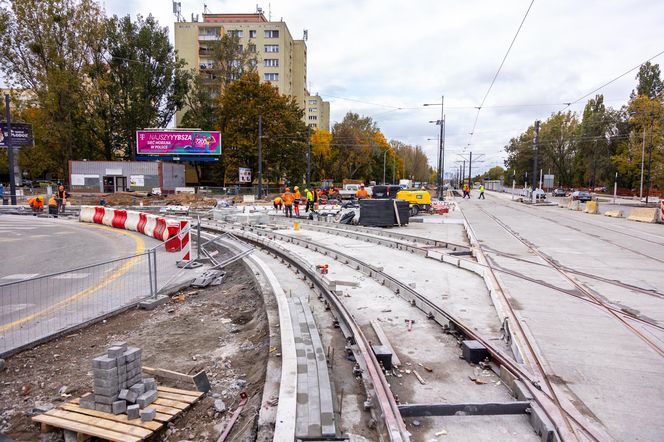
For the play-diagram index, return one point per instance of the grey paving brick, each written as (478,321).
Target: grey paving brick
(132,396)
(132,353)
(150,384)
(135,380)
(148,414)
(106,408)
(107,391)
(100,373)
(133,412)
(120,361)
(135,365)
(146,398)
(103,362)
(120,344)
(106,383)
(119,407)
(88,401)
(106,400)
(123,394)
(114,352)
(138,388)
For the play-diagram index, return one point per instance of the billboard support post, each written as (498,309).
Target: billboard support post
(10,152)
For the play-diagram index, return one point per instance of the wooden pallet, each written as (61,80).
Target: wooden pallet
(86,423)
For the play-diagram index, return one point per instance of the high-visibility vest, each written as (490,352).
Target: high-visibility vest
(52,201)
(288,199)
(277,200)
(310,195)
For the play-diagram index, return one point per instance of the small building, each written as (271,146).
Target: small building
(120,176)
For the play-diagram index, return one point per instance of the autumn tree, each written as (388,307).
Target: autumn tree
(321,154)
(354,146)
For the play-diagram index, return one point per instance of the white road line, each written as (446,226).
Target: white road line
(20,276)
(72,276)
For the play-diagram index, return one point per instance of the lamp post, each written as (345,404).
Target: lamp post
(441,148)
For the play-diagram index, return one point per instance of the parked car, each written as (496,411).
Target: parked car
(581,195)
(539,194)
(559,192)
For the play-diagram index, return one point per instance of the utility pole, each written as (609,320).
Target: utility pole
(260,156)
(308,157)
(643,157)
(463,173)
(441,164)
(10,152)
(470,170)
(649,162)
(535,152)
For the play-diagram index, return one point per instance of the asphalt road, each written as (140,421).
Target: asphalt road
(610,368)
(51,277)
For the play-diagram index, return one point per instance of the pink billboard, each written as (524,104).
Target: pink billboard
(178,142)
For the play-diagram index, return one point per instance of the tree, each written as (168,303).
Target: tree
(495,173)
(321,154)
(284,133)
(354,147)
(144,83)
(650,83)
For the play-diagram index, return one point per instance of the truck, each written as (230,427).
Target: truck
(406,184)
(349,187)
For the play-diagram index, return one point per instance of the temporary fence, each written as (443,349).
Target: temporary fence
(36,308)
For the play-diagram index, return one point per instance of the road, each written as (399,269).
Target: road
(589,290)
(49,279)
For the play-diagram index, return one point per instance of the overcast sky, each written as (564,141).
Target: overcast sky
(392,54)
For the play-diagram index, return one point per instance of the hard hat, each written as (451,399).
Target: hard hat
(296,188)
(306,190)
(288,189)
(40,198)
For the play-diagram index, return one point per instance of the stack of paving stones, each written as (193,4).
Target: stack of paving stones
(118,385)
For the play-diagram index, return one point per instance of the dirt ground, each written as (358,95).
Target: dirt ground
(222,330)
(192,200)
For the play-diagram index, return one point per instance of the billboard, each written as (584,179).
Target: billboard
(178,142)
(245,175)
(21,135)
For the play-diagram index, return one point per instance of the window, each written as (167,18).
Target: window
(251,47)
(271,77)
(271,48)
(271,34)
(271,62)
(313,101)
(252,34)
(313,110)
(313,125)
(236,33)
(313,117)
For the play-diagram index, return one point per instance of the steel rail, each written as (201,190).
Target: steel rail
(373,374)
(435,312)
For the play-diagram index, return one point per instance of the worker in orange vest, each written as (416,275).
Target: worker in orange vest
(288,198)
(361,193)
(53,206)
(277,203)
(36,204)
(296,202)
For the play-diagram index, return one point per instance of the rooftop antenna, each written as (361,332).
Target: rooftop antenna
(177,10)
(306,35)
(205,9)
(269,12)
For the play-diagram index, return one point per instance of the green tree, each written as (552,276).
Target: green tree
(495,173)
(354,147)
(649,81)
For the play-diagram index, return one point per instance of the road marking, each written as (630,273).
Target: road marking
(124,268)
(20,276)
(72,276)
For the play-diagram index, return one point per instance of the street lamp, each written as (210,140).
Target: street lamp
(441,148)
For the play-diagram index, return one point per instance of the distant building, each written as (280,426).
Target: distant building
(120,176)
(317,112)
(282,60)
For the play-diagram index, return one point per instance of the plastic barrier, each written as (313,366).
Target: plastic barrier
(661,211)
(133,218)
(643,215)
(99,215)
(614,213)
(592,207)
(564,202)
(180,239)
(119,218)
(109,214)
(574,205)
(86,214)
(142,221)
(150,225)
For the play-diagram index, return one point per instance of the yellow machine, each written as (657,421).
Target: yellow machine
(418,200)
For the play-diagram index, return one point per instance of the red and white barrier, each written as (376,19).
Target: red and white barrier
(174,232)
(661,211)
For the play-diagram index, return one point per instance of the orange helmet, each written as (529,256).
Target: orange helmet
(287,189)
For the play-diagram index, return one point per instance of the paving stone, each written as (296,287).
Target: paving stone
(107,391)
(106,400)
(148,414)
(119,407)
(101,373)
(106,408)
(135,380)
(120,361)
(132,353)
(106,383)
(146,398)
(114,352)
(133,412)
(103,362)
(150,384)
(123,394)
(120,344)
(134,372)
(135,365)
(138,388)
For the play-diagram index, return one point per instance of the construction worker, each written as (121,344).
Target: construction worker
(36,204)
(361,193)
(296,200)
(277,203)
(288,198)
(53,206)
(2,194)
(466,190)
(61,196)
(310,200)
(481,197)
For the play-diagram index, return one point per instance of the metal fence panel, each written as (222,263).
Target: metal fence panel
(34,309)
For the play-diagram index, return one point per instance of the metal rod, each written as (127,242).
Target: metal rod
(152,293)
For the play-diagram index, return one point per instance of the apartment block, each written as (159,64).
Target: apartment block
(317,112)
(282,60)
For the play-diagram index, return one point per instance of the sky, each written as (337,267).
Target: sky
(385,59)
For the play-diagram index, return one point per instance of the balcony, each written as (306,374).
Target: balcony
(208,37)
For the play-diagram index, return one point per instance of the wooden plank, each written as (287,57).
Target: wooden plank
(165,409)
(154,426)
(196,394)
(382,337)
(171,403)
(78,427)
(102,423)
(176,397)
(200,379)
